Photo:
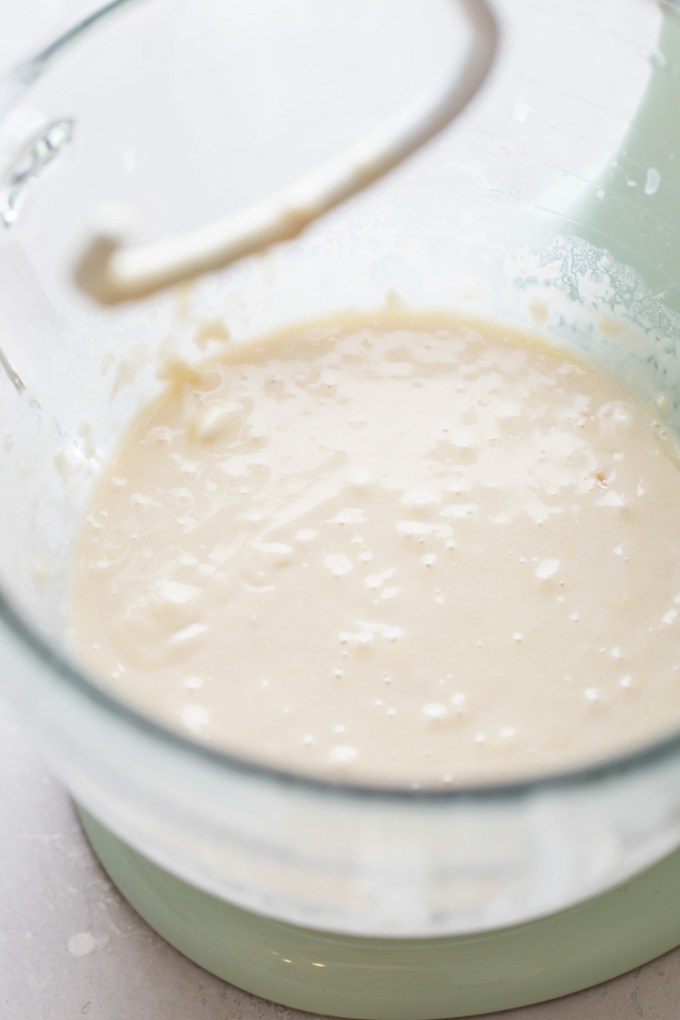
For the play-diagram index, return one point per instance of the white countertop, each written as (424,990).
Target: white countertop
(69,946)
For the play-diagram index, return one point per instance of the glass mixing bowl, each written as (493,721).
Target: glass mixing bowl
(548,204)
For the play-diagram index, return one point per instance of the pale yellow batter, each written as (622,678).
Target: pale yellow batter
(400,550)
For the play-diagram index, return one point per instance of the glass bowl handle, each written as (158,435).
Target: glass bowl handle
(111,270)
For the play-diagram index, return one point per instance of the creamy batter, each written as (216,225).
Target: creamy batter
(401,550)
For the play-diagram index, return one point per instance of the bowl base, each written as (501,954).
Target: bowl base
(402,979)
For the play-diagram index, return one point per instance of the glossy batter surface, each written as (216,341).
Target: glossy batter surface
(403,550)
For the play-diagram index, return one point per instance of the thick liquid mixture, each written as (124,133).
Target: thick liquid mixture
(401,551)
